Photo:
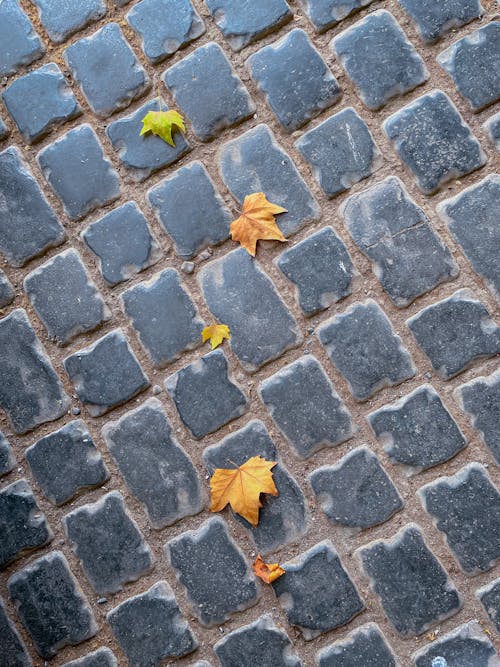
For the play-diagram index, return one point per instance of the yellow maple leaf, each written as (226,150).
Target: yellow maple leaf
(257,222)
(268,572)
(162,123)
(215,333)
(241,487)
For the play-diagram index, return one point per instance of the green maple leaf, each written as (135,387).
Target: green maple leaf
(162,123)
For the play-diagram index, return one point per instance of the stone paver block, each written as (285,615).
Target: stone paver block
(466,645)
(82,184)
(362,344)
(190,210)
(324,14)
(155,467)
(211,567)
(61,18)
(436,19)
(6,290)
(244,171)
(408,257)
(106,373)
(28,225)
(7,460)
(242,22)
(473,63)
(14,651)
(107,70)
(65,298)
(65,462)
(480,398)
(22,524)
(414,589)
(235,286)
(150,627)
(4,130)
(433,141)
(40,101)
(305,407)
(260,643)
(283,518)
(165,317)
(417,430)
(295,80)
(492,127)
(340,151)
(363,647)
(165,26)
(472,217)
(320,268)
(19,43)
(123,243)
(316,593)
(356,492)
(30,391)
(489,596)
(108,543)
(379,59)
(144,154)
(208,90)
(103,657)
(51,605)
(466,507)
(205,395)
(455,332)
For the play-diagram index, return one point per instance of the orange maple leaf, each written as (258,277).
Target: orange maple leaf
(257,222)
(241,487)
(268,572)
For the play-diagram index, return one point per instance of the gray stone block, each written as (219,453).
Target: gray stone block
(417,430)
(6,290)
(472,217)
(123,243)
(111,87)
(473,64)
(361,648)
(14,651)
(4,130)
(432,139)
(260,643)
(144,154)
(212,568)
(150,627)
(28,226)
(492,127)
(205,395)
(316,592)
(51,605)
(455,332)
(489,596)
(242,23)
(305,407)
(40,101)
(155,467)
(65,462)
(340,151)
(190,210)
(164,316)
(356,492)
(408,257)
(466,645)
(19,43)
(106,373)
(208,90)
(362,344)
(7,459)
(414,589)
(244,171)
(324,14)
(295,80)
(379,59)
(466,508)
(108,543)
(30,390)
(283,518)
(61,18)
(233,287)
(165,26)
(436,19)
(103,657)
(82,184)
(22,524)
(65,298)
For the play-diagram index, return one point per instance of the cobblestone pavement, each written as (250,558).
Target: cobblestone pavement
(364,351)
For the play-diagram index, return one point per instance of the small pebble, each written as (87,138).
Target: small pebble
(75,411)
(156,389)
(187,267)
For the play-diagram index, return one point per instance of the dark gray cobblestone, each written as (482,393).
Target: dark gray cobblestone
(19,43)
(492,127)
(435,19)
(6,290)
(324,14)
(467,645)
(366,646)
(103,657)
(14,651)
(489,596)
(62,19)
(7,459)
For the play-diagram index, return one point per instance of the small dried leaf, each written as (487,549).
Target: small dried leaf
(162,123)
(268,572)
(215,333)
(257,222)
